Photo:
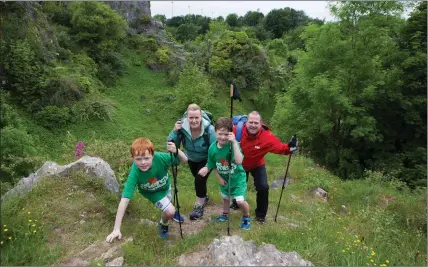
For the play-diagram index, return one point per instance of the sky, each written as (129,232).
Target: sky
(314,9)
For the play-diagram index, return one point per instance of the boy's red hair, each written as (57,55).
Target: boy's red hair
(140,146)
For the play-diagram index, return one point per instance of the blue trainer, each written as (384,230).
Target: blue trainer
(162,231)
(245,223)
(178,218)
(222,218)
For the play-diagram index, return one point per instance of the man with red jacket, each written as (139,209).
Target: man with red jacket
(256,141)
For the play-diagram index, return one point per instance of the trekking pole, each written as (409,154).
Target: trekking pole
(283,186)
(230,162)
(285,178)
(174,175)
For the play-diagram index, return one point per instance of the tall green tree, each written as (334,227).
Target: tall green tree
(332,101)
(253,18)
(280,21)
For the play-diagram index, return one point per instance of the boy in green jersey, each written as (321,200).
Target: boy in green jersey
(149,173)
(219,157)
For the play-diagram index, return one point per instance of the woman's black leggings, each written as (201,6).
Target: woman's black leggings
(200,182)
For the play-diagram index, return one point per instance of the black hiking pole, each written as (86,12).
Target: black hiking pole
(174,175)
(234,95)
(294,142)
(230,162)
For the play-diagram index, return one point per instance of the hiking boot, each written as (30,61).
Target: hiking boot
(197,213)
(162,231)
(178,218)
(222,218)
(245,223)
(260,220)
(234,205)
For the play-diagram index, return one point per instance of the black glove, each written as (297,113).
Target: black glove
(293,144)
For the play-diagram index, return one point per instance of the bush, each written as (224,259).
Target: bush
(141,20)
(65,90)
(173,74)
(162,56)
(111,67)
(193,87)
(143,43)
(53,117)
(93,107)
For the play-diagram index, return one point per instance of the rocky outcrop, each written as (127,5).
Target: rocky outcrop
(92,166)
(136,13)
(234,251)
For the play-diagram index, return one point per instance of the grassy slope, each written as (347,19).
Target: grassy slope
(328,236)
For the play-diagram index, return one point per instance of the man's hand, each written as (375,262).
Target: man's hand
(177,126)
(113,235)
(293,144)
(231,138)
(203,172)
(171,147)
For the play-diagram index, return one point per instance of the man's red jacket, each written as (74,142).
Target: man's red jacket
(256,147)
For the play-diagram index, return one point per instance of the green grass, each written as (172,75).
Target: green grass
(327,236)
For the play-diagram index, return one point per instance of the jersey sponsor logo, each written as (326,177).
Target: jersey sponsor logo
(256,147)
(154,183)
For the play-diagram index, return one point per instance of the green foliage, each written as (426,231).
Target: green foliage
(280,21)
(141,20)
(17,146)
(15,141)
(25,73)
(253,18)
(277,52)
(186,32)
(111,67)
(143,43)
(160,17)
(232,20)
(341,97)
(97,27)
(193,87)
(93,107)
(163,56)
(234,54)
(53,117)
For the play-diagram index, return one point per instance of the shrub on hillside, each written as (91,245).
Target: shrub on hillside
(93,107)
(53,117)
(142,43)
(193,87)
(162,56)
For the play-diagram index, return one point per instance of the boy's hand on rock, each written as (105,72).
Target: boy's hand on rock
(113,235)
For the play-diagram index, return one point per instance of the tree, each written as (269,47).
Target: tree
(160,18)
(342,85)
(193,87)
(186,32)
(175,21)
(97,26)
(236,56)
(232,20)
(253,18)
(280,21)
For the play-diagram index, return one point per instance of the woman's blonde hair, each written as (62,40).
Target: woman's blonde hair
(194,107)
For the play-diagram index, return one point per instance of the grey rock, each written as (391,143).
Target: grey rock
(278,183)
(234,251)
(92,166)
(116,262)
(319,192)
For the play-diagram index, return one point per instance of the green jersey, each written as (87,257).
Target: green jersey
(218,158)
(154,183)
